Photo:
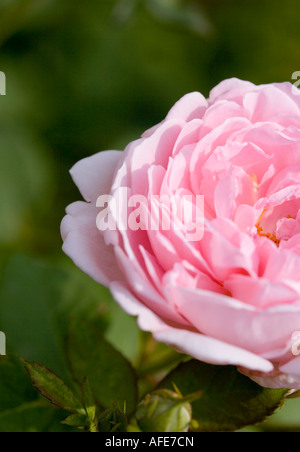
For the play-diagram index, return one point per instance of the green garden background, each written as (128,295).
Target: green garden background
(86,76)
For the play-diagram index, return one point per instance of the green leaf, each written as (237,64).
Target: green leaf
(15,387)
(53,388)
(111,376)
(31,417)
(27,311)
(89,400)
(21,409)
(229,400)
(90,405)
(123,332)
(76,420)
(287,419)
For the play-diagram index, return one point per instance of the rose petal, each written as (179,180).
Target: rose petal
(94,175)
(237,323)
(189,107)
(197,345)
(85,245)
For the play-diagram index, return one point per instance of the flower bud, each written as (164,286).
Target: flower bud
(165,411)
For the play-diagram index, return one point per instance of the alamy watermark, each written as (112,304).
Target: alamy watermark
(296,84)
(2,344)
(2,84)
(154,213)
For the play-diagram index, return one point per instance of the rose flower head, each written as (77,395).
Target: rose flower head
(195,228)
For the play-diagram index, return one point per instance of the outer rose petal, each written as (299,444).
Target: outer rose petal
(275,380)
(263,105)
(83,242)
(192,343)
(237,323)
(85,245)
(191,106)
(231,89)
(94,175)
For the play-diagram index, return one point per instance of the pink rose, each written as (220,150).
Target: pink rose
(233,295)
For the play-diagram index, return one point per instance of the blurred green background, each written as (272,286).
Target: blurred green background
(85,76)
(88,76)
